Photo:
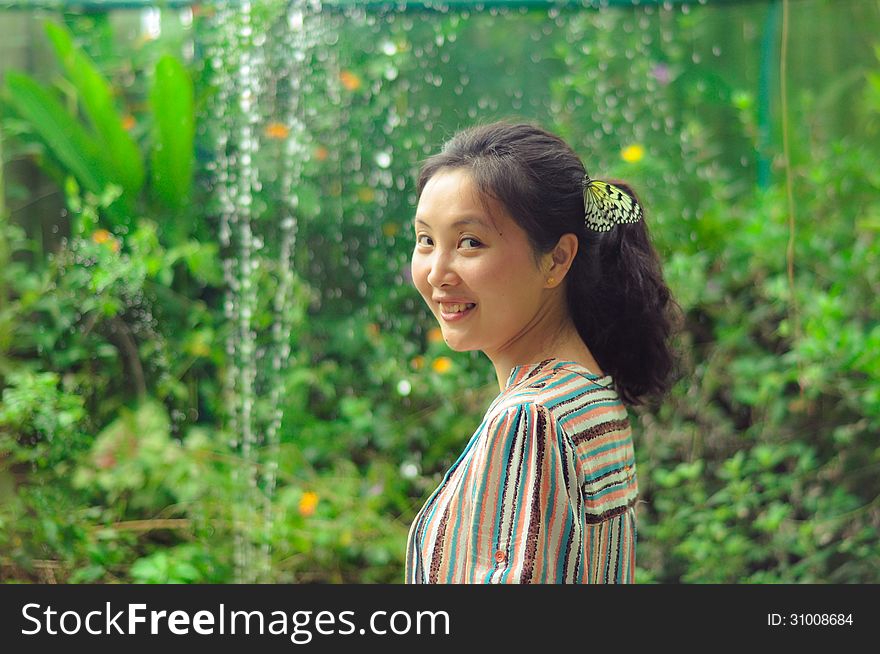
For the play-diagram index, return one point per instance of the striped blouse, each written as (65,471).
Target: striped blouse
(544,492)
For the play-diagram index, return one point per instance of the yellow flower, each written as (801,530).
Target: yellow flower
(307,503)
(435,335)
(390,229)
(349,80)
(277,131)
(417,362)
(365,194)
(442,365)
(632,153)
(199,348)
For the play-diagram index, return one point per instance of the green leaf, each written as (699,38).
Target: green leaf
(96,96)
(66,138)
(174,133)
(308,200)
(204,263)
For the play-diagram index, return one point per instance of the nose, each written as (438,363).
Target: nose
(442,270)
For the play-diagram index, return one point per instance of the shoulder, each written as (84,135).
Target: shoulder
(521,422)
(572,401)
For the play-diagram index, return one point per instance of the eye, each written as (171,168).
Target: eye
(468,239)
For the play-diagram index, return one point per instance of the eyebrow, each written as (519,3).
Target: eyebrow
(457,223)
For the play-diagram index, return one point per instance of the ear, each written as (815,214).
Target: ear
(558,261)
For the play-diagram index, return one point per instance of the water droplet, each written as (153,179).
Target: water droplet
(409,470)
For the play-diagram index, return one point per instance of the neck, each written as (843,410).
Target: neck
(551,334)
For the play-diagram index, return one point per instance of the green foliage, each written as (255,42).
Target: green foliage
(39,423)
(101,153)
(96,97)
(184,564)
(68,140)
(172,161)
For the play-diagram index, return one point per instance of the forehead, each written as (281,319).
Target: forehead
(452,196)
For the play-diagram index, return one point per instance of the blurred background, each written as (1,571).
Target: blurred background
(214,366)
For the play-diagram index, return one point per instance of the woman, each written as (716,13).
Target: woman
(521,255)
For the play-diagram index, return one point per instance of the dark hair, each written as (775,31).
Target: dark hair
(615,290)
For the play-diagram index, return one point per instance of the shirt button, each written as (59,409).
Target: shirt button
(499,556)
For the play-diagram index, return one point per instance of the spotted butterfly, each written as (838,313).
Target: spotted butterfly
(606,205)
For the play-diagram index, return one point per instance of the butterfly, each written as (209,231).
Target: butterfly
(606,205)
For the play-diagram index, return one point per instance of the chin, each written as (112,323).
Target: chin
(458,346)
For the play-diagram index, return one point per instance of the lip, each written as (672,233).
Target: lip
(454,317)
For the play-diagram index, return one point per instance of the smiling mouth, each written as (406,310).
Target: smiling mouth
(456,308)
(462,311)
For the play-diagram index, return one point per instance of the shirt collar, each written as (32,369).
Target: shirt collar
(525,371)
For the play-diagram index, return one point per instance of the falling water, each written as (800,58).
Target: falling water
(238,58)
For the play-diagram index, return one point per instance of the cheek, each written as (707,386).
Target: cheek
(514,287)
(419,274)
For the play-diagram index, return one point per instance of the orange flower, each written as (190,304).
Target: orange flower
(442,365)
(372,330)
(142,40)
(277,131)
(101,236)
(417,362)
(435,335)
(201,10)
(349,80)
(307,503)
(128,122)
(321,153)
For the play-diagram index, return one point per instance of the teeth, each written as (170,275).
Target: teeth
(458,308)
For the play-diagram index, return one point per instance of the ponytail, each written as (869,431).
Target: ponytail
(623,309)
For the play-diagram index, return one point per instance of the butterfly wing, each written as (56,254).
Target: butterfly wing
(606,205)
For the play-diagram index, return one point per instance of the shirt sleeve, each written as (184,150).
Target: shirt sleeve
(610,546)
(526,505)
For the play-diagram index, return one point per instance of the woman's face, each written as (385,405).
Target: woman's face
(464,256)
